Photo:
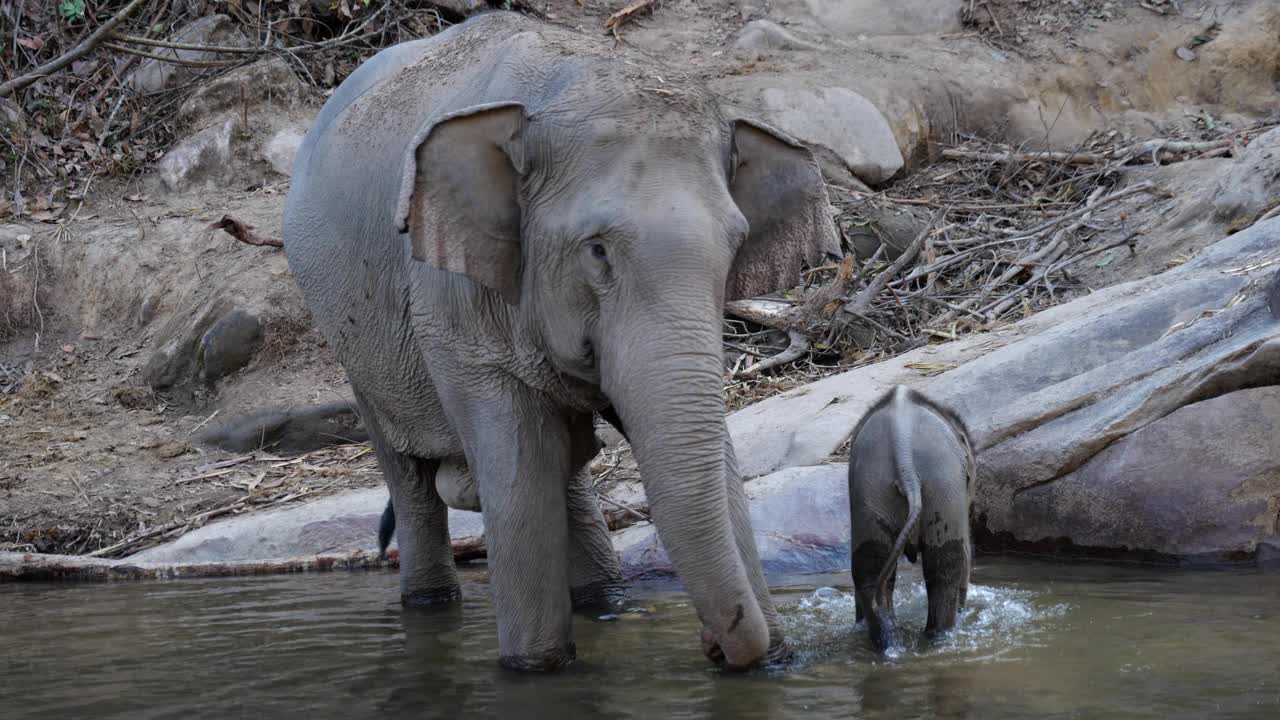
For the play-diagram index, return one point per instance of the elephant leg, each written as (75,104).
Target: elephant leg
(946,578)
(740,517)
(595,579)
(869,557)
(427,573)
(520,453)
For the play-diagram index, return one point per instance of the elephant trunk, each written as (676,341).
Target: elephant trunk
(665,382)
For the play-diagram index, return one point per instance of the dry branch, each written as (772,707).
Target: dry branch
(798,345)
(172,59)
(862,303)
(244,233)
(1150,148)
(85,47)
(152,42)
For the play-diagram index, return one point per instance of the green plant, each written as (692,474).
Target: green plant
(71,9)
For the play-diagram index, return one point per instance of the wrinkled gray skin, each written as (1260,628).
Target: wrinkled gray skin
(910,484)
(508,226)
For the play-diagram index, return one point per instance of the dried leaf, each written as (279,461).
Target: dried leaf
(32,43)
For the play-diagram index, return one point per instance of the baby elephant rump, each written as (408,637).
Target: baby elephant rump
(911,471)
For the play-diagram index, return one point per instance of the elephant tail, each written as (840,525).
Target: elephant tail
(908,482)
(386,528)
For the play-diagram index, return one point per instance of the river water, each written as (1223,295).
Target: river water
(1037,641)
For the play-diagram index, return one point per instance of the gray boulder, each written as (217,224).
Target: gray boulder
(264,87)
(202,159)
(800,517)
(281,149)
(1252,185)
(289,430)
(875,17)
(832,118)
(152,76)
(229,344)
(769,35)
(336,524)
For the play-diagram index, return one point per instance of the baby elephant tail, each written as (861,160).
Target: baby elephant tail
(386,528)
(908,482)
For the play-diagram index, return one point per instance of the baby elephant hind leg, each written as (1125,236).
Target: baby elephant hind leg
(869,559)
(946,577)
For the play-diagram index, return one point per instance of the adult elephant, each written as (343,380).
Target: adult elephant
(508,226)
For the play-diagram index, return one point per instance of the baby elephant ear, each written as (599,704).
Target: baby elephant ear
(459,195)
(778,188)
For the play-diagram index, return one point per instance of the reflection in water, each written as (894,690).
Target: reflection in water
(1036,641)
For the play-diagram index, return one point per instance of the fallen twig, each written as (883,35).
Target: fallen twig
(862,303)
(624,507)
(171,59)
(1148,148)
(799,345)
(244,233)
(151,42)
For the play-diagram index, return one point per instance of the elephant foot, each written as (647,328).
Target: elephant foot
(551,661)
(599,598)
(432,597)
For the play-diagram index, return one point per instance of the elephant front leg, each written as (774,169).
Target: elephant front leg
(520,453)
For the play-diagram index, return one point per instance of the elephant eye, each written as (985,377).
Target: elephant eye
(598,251)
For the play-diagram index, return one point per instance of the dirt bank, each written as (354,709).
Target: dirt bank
(105,376)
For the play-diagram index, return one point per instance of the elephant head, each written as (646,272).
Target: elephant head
(612,241)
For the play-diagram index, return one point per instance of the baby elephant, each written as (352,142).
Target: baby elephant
(910,480)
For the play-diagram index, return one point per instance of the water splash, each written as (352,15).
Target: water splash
(823,624)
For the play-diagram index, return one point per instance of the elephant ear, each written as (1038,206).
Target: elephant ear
(778,188)
(459,195)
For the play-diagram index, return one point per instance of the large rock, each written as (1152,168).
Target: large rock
(337,524)
(229,344)
(1200,480)
(202,159)
(832,118)
(266,87)
(877,17)
(1252,185)
(769,35)
(282,148)
(152,76)
(800,517)
(289,429)
(1046,397)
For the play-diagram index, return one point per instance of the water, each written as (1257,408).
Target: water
(1037,641)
